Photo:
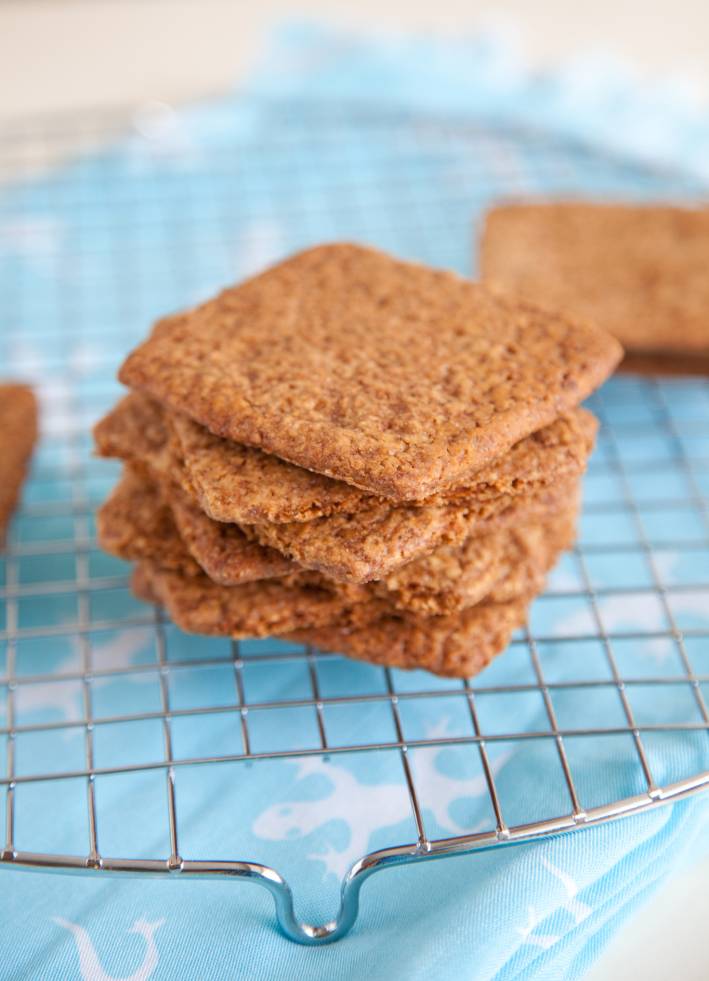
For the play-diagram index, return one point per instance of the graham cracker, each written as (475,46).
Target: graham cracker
(496,568)
(505,564)
(136,522)
(236,483)
(256,609)
(223,550)
(399,379)
(459,645)
(275,606)
(18,435)
(135,431)
(638,270)
(373,544)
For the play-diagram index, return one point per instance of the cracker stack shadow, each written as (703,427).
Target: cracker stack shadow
(354,452)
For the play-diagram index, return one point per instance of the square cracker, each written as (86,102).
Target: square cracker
(373,544)
(388,375)
(18,435)
(639,271)
(231,482)
(458,646)
(348,549)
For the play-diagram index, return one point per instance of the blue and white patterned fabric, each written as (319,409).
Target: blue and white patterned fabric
(403,144)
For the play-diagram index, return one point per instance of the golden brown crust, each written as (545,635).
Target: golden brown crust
(135,431)
(457,646)
(18,435)
(235,483)
(138,521)
(396,378)
(637,270)
(241,484)
(496,568)
(223,550)
(136,524)
(257,609)
(135,426)
(535,479)
(373,544)
(312,613)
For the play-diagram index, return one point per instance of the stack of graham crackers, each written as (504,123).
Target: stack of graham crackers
(355,452)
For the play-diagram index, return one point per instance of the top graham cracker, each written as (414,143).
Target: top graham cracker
(391,376)
(639,271)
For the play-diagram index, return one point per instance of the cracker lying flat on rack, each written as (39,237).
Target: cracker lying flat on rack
(638,270)
(18,435)
(399,379)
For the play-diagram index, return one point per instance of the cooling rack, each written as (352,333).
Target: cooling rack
(112,717)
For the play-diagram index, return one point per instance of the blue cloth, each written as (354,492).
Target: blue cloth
(402,143)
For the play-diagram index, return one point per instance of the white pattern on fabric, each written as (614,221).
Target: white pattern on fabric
(89,963)
(367,808)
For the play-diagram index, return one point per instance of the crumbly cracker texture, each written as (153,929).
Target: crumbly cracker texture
(136,431)
(373,544)
(143,519)
(258,609)
(231,482)
(136,523)
(456,646)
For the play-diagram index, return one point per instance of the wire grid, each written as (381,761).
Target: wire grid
(77,296)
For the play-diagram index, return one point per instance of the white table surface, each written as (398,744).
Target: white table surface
(73,54)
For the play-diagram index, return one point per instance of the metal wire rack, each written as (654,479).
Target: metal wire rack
(162,212)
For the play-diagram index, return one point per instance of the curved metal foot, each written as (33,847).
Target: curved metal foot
(306,933)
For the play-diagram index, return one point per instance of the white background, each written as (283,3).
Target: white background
(71,54)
